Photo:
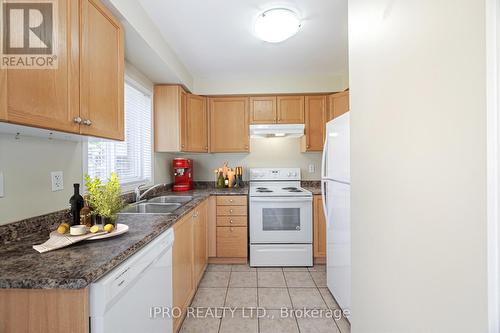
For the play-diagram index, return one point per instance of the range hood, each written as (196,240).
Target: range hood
(277,130)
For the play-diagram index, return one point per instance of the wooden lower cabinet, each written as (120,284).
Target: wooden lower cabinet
(189,258)
(200,241)
(182,267)
(232,242)
(319,228)
(230,222)
(41,311)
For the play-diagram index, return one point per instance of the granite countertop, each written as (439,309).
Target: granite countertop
(79,265)
(313,186)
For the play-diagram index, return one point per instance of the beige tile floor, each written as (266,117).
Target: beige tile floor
(242,287)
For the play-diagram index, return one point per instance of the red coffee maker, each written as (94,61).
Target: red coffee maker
(183,174)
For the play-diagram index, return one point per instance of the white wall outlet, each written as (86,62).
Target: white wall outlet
(57,181)
(1,185)
(312,168)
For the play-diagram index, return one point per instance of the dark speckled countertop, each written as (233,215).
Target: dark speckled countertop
(79,265)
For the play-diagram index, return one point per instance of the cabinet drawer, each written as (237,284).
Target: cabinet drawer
(231,200)
(232,210)
(228,221)
(232,242)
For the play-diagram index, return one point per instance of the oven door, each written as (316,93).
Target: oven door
(280,220)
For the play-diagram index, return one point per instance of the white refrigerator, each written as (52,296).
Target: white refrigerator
(336,191)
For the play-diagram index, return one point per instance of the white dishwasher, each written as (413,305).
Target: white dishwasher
(128,298)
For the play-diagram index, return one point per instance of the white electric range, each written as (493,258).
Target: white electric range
(280,218)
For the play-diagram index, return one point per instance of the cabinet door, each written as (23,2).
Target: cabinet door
(194,125)
(319,228)
(101,72)
(232,242)
(200,241)
(229,124)
(263,110)
(47,98)
(315,110)
(338,105)
(169,105)
(182,265)
(290,109)
(3,94)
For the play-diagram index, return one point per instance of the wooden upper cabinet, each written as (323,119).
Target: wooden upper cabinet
(169,105)
(194,123)
(263,110)
(181,120)
(229,124)
(290,109)
(47,98)
(3,94)
(84,94)
(315,111)
(338,104)
(101,72)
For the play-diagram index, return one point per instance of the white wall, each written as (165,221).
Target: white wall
(272,152)
(26,164)
(417,82)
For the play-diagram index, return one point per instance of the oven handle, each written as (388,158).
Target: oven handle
(281,199)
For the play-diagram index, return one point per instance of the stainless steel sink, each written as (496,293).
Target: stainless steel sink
(181,199)
(151,208)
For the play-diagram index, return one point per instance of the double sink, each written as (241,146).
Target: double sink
(164,205)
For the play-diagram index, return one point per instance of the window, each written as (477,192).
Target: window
(132,158)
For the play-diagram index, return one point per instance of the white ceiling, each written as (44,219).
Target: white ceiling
(214,39)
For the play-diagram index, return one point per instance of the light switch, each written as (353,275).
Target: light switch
(312,168)
(1,185)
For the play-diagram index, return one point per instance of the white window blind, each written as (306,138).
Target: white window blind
(132,158)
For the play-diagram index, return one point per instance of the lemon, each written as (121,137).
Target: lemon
(108,227)
(65,225)
(94,229)
(62,229)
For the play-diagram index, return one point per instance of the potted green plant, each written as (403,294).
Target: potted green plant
(104,200)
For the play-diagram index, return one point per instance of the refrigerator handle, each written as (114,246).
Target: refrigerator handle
(323,158)
(324,198)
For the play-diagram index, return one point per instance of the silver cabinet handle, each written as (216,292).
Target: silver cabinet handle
(231,211)
(230,221)
(87,122)
(77,120)
(231,200)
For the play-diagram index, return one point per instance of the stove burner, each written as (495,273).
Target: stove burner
(264,190)
(289,188)
(295,190)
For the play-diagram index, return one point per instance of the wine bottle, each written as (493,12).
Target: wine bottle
(76,202)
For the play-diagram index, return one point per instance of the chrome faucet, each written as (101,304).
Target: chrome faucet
(137,191)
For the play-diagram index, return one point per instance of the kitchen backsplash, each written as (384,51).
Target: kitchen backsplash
(264,153)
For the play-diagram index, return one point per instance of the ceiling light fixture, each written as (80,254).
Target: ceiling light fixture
(276,25)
